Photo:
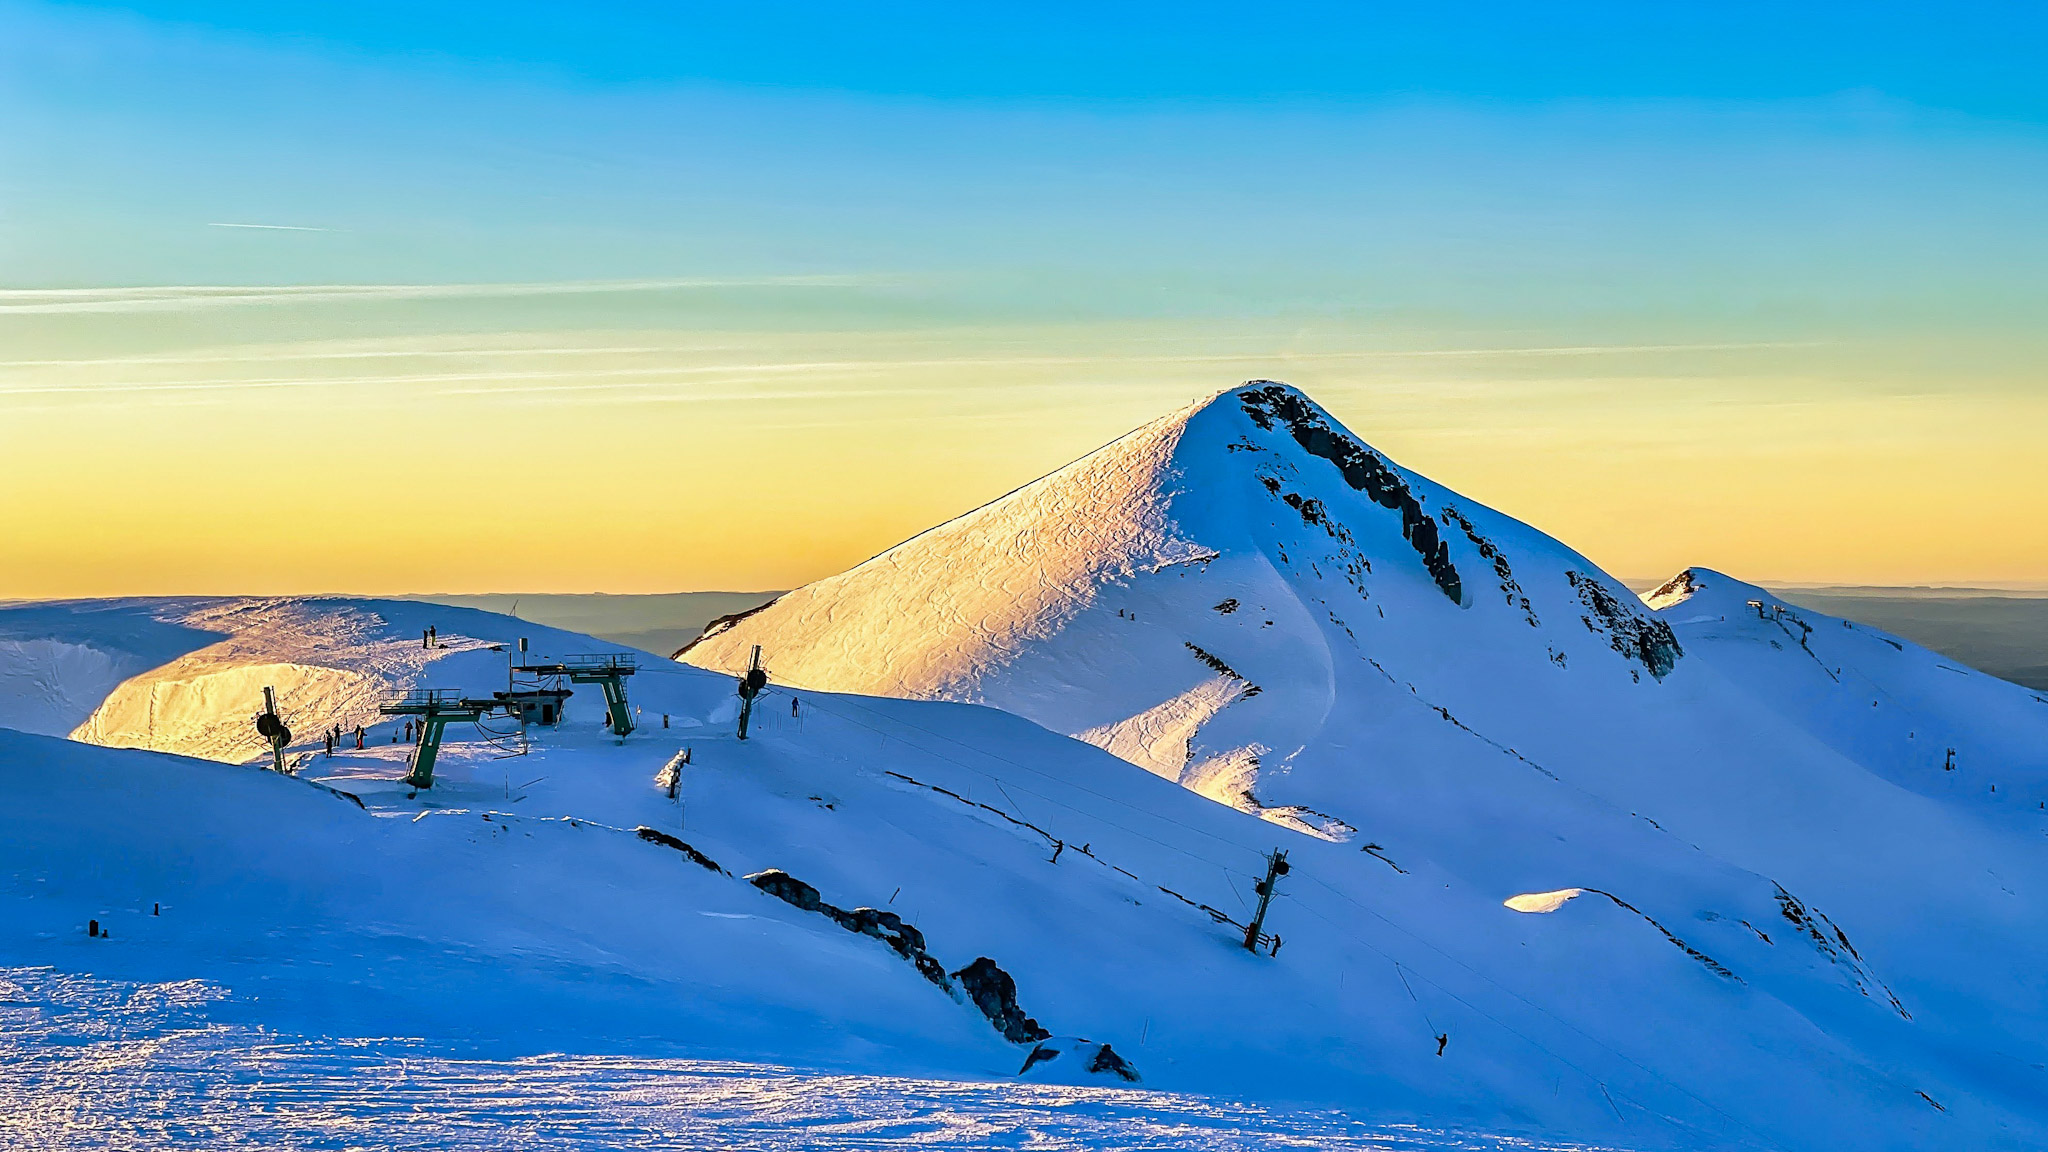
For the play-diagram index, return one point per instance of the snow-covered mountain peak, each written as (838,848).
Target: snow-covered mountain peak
(1706,592)
(1678,589)
(1201,595)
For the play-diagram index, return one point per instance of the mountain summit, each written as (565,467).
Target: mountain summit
(1199,595)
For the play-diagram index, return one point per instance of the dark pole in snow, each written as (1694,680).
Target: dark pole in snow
(750,687)
(272,728)
(1276,867)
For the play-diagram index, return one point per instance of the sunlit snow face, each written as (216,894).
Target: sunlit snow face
(1542,901)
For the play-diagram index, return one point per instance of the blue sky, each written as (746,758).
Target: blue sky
(1974,58)
(1783,247)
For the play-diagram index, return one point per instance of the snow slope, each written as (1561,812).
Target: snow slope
(515,910)
(1246,599)
(71,1077)
(1923,720)
(59,661)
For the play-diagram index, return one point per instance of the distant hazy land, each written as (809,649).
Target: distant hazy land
(659,623)
(1998,631)
(2001,631)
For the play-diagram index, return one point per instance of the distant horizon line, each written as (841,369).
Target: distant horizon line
(2023,590)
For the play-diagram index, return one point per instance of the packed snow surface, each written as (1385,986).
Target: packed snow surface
(1811,853)
(92,1064)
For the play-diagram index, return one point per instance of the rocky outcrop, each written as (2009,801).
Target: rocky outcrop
(656,836)
(1502,570)
(995,994)
(887,927)
(1649,642)
(1268,402)
(1829,939)
(1076,1057)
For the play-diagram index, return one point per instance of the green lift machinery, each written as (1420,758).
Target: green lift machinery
(271,726)
(530,706)
(608,670)
(436,708)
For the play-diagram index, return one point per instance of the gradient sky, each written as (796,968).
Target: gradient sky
(388,297)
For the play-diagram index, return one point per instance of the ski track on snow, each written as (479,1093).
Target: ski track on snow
(97,1064)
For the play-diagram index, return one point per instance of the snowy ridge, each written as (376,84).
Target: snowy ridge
(1920,719)
(1809,931)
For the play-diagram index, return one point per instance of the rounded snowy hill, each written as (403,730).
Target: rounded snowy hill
(1205,595)
(184,675)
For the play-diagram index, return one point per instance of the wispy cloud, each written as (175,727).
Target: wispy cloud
(289,355)
(18,301)
(273,227)
(571,379)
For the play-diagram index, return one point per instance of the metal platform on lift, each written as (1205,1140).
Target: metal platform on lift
(608,670)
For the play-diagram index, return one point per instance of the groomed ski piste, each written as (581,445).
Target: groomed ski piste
(1566,869)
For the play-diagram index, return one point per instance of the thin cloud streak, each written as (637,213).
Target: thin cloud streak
(273,227)
(44,301)
(391,354)
(814,365)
